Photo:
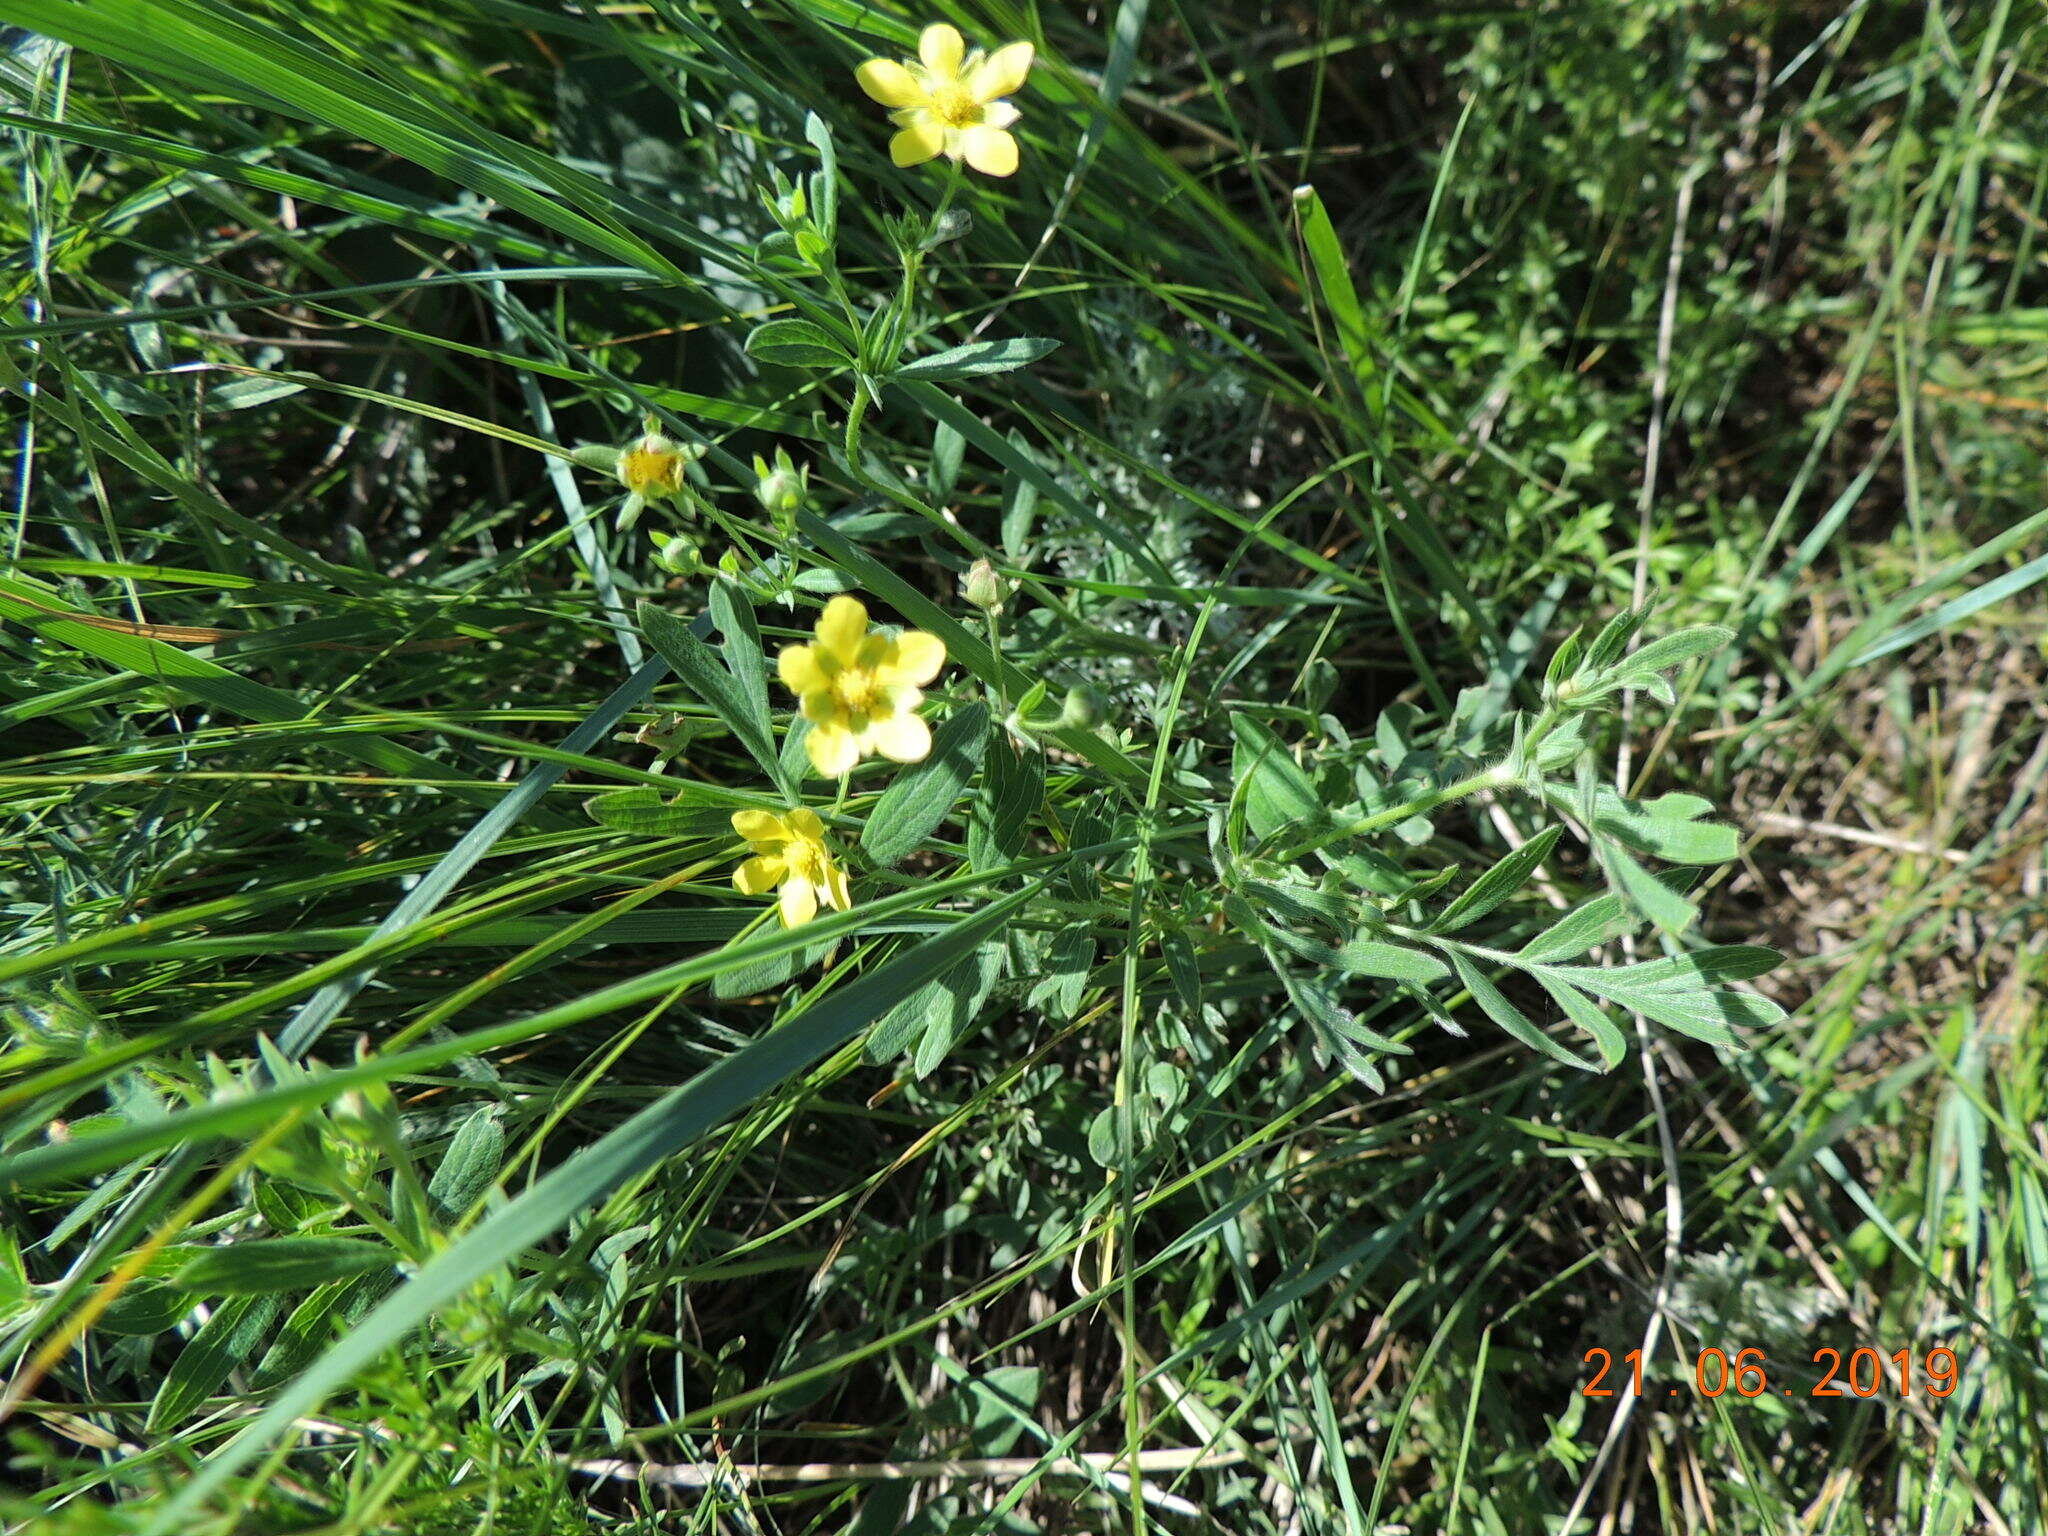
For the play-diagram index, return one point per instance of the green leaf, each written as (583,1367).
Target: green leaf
(700,670)
(967,986)
(1506,877)
(1589,1016)
(1277,793)
(797,344)
(1067,962)
(1012,790)
(641,1143)
(646,812)
(1652,897)
(1594,922)
(740,642)
(1668,828)
(469,1165)
(975,359)
(243,393)
(1673,650)
(229,1338)
(281,1264)
(1394,962)
(1496,1006)
(920,799)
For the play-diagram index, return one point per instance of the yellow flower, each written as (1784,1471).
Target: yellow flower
(653,467)
(792,858)
(860,688)
(947,103)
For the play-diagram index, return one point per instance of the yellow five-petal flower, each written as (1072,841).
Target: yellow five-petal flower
(793,858)
(949,103)
(860,688)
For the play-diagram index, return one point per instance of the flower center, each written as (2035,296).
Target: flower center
(955,106)
(806,859)
(857,691)
(647,469)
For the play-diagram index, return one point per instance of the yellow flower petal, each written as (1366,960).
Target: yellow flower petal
(759,826)
(917,143)
(913,660)
(889,83)
(842,627)
(1000,74)
(758,876)
(999,114)
(989,150)
(797,666)
(942,48)
(799,902)
(902,738)
(837,892)
(833,749)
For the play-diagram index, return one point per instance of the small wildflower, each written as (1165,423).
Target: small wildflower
(652,468)
(793,858)
(984,587)
(949,102)
(860,689)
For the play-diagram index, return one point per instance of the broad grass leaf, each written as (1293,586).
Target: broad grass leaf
(700,670)
(1506,877)
(922,797)
(263,1265)
(976,359)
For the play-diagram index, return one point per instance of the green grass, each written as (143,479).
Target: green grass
(1454,467)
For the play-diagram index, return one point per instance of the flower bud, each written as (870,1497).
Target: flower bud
(984,587)
(678,553)
(1083,708)
(780,489)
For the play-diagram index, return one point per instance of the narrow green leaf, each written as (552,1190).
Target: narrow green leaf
(469,1165)
(1589,924)
(699,669)
(1673,650)
(976,359)
(229,1338)
(1394,962)
(281,1264)
(1652,897)
(645,811)
(1589,1016)
(1506,877)
(657,1132)
(1494,1003)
